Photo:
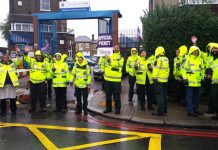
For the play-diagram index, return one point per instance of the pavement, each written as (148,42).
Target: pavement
(130,111)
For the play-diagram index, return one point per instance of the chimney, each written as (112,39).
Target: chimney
(93,37)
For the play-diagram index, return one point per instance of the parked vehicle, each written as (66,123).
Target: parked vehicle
(98,73)
(91,63)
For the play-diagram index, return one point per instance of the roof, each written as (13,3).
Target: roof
(83,39)
(77,15)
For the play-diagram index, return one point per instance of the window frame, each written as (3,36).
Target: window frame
(42,3)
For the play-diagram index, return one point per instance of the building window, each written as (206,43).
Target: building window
(47,28)
(19,3)
(45,5)
(81,46)
(27,27)
(87,45)
(18,27)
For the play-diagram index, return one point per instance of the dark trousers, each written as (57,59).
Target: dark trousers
(81,98)
(214,97)
(48,91)
(113,88)
(132,80)
(38,91)
(208,88)
(150,91)
(60,98)
(141,94)
(161,96)
(103,84)
(13,105)
(180,92)
(192,98)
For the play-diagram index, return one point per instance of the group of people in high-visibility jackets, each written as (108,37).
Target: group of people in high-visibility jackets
(58,71)
(150,75)
(43,72)
(192,69)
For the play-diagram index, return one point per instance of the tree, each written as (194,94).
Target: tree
(173,26)
(5,27)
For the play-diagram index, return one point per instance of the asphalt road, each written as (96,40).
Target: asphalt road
(39,131)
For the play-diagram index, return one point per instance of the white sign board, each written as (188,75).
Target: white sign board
(105,51)
(74,5)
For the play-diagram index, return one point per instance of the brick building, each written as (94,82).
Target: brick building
(86,45)
(20,16)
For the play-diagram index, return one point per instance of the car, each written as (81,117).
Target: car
(98,73)
(91,63)
(70,64)
(95,58)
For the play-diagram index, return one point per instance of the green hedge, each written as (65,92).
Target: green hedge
(173,26)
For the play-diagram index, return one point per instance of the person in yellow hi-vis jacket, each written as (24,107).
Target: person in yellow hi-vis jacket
(81,77)
(179,61)
(102,62)
(60,78)
(112,76)
(160,74)
(8,83)
(131,71)
(193,75)
(39,73)
(140,68)
(48,59)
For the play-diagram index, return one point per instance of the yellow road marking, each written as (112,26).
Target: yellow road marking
(154,144)
(4,126)
(43,139)
(103,143)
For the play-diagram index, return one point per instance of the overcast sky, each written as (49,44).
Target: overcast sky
(131,10)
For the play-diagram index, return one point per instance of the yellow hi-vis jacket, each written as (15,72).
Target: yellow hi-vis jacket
(140,69)
(214,67)
(194,68)
(113,68)
(130,63)
(81,75)
(60,75)
(49,62)
(39,71)
(102,62)
(9,68)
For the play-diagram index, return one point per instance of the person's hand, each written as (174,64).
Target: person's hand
(178,65)
(46,82)
(208,77)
